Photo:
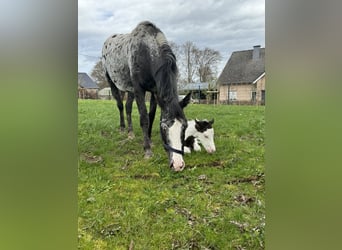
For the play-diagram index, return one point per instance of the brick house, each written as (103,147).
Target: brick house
(242,80)
(87,88)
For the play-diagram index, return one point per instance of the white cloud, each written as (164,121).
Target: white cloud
(224,25)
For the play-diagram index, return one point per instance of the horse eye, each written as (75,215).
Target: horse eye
(206,136)
(164,126)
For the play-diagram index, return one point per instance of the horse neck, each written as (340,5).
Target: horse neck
(170,109)
(166,97)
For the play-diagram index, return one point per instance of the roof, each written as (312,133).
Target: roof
(194,86)
(242,68)
(86,82)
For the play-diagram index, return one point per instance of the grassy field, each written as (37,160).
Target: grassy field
(127,202)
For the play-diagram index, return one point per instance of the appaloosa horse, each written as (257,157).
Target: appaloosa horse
(199,132)
(143,61)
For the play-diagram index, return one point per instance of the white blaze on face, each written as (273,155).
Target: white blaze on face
(175,142)
(207,140)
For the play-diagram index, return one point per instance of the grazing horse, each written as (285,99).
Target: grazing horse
(199,131)
(143,61)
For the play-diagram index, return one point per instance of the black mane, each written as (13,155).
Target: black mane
(166,76)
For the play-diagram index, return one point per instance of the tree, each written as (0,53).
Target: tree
(207,61)
(98,75)
(195,64)
(189,53)
(176,49)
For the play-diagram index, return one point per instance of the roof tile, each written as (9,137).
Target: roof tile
(241,68)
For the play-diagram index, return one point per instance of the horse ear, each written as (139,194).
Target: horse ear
(211,122)
(197,121)
(186,100)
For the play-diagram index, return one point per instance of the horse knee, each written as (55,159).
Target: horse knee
(120,106)
(187,150)
(197,147)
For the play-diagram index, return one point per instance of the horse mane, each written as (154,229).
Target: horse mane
(165,69)
(166,75)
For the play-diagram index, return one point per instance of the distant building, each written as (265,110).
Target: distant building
(199,91)
(87,88)
(105,94)
(242,80)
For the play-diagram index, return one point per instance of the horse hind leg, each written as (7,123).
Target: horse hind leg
(120,106)
(128,106)
(117,94)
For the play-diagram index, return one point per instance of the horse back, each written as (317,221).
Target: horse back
(115,54)
(132,60)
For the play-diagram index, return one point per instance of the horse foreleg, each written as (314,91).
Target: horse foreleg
(128,106)
(151,114)
(187,150)
(144,121)
(197,147)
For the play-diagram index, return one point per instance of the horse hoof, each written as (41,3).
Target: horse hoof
(148,154)
(131,135)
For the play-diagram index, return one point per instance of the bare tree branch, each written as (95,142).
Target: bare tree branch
(98,75)
(195,64)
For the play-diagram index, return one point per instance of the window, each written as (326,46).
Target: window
(232,95)
(253,96)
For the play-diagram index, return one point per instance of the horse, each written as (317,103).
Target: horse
(199,131)
(143,61)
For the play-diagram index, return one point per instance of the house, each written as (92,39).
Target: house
(87,88)
(242,80)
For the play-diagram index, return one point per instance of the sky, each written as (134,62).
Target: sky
(222,25)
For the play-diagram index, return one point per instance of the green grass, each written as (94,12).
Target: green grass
(217,202)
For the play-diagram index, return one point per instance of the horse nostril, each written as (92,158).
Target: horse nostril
(177,169)
(211,150)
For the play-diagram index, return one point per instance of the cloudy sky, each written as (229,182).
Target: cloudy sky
(223,25)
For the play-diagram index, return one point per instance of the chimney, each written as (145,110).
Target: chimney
(256,52)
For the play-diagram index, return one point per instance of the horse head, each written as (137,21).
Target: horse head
(205,134)
(172,129)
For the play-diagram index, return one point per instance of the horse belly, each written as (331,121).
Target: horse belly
(120,75)
(115,61)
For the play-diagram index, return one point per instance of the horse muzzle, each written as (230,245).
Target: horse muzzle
(177,166)
(210,150)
